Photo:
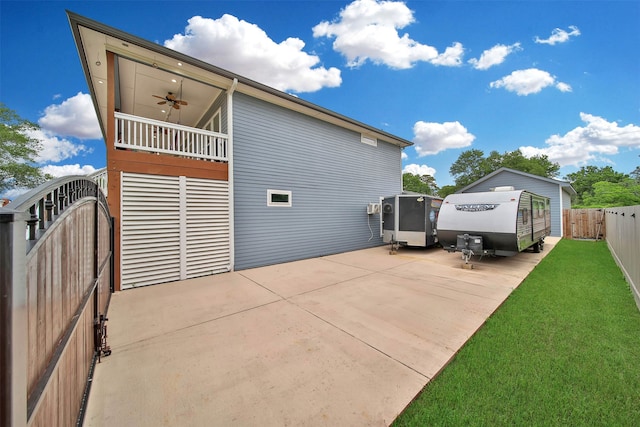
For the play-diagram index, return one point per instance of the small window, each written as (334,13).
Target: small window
(279,198)
(369,140)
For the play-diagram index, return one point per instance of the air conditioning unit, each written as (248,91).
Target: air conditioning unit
(373,208)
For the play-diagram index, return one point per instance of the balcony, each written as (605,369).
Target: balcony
(142,134)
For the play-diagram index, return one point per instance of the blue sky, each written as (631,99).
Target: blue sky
(560,78)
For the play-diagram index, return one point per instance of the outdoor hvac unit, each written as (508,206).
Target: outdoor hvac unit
(373,208)
(410,220)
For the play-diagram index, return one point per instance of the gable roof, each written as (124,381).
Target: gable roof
(93,39)
(565,185)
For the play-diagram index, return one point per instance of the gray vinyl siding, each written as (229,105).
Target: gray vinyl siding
(537,186)
(332,177)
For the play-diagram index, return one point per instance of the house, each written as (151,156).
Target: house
(209,171)
(559,192)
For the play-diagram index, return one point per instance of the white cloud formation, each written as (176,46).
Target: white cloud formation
(451,57)
(404,156)
(245,48)
(66,170)
(432,138)
(559,36)
(74,117)
(55,149)
(419,170)
(584,143)
(494,56)
(526,82)
(368,30)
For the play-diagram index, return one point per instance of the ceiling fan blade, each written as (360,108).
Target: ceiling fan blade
(181,102)
(162,102)
(176,106)
(156,96)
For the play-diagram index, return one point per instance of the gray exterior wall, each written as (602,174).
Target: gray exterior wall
(332,177)
(520,182)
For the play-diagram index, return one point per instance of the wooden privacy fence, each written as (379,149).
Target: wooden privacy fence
(584,224)
(623,239)
(56,282)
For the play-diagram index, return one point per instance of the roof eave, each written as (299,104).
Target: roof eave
(244,84)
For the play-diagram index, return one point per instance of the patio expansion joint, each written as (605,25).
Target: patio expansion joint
(192,325)
(359,339)
(293,303)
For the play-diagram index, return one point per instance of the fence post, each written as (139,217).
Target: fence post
(13,318)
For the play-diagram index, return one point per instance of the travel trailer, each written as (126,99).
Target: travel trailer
(502,222)
(410,220)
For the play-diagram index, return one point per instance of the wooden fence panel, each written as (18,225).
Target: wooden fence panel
(584,224)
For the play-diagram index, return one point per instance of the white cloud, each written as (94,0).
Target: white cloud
(451,57)
(368,30)
(66,170)
(494,56)
(526,82)
(55,149)
(13,193)
(74,117)
(563,87)
(559,36)
(419,170)
(404,156)
(582,144)
(432,138)
(245,48)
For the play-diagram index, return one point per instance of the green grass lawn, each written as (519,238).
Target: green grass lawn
(564,349)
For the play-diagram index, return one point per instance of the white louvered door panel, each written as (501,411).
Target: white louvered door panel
(173,228)
(150,229)
(207,230)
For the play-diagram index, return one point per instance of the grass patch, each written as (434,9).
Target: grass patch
(564,349)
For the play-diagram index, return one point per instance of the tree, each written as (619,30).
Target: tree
(425,184)
(583,180)
(469,167)
(606,194)
(472,165)
(445,190)
(635,174)
(17,152)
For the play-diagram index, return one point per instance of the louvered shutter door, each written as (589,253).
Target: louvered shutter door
(150,229)
(172,228)
(207,231)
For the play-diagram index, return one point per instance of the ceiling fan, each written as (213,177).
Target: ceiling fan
(171,99)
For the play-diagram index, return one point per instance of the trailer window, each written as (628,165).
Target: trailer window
(525,216)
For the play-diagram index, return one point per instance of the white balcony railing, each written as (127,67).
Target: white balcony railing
(141,134)
(101,178)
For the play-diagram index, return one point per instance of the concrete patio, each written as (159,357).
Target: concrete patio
(346,339)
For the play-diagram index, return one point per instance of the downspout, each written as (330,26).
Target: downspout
(561,206)
(230,92)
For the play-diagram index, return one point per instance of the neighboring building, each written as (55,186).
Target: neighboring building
(560,192)
(232,174)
